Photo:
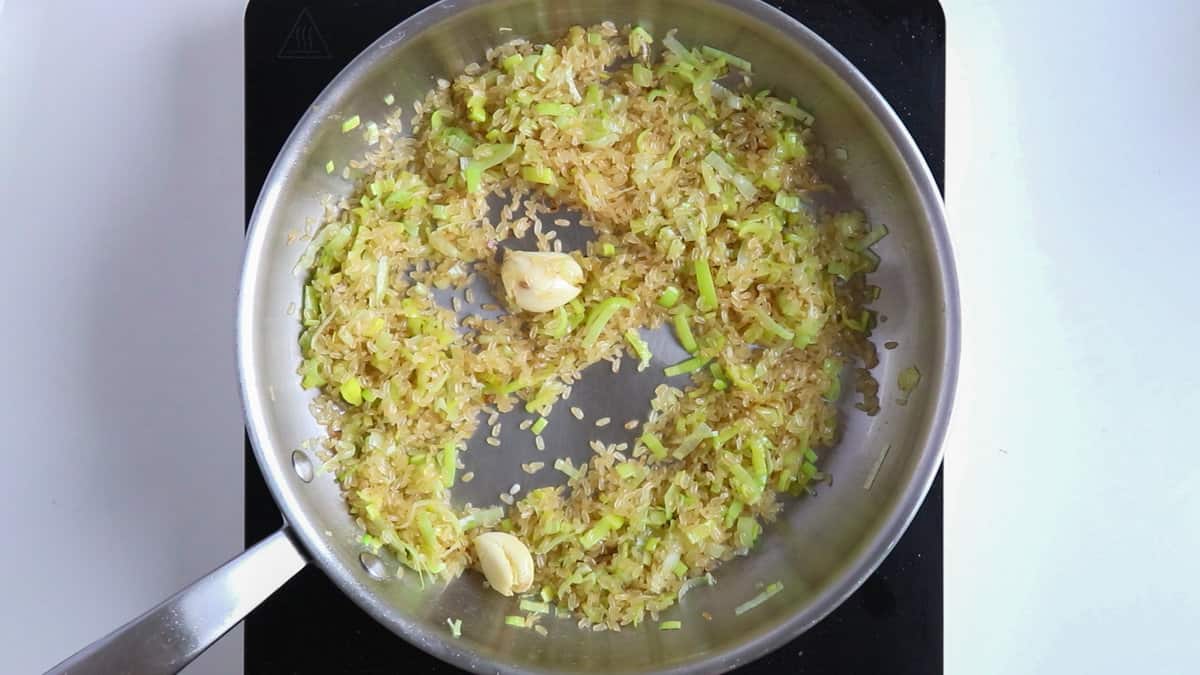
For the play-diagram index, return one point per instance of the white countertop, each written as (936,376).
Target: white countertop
(1071,499)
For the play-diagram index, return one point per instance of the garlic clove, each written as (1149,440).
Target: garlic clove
(506,562)
(540,281)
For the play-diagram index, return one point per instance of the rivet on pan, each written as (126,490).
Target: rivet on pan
(373,565)
(302,465)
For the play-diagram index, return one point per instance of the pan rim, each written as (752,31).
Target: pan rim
(854,571)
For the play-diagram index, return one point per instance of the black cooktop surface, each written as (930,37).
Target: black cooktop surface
(893,624)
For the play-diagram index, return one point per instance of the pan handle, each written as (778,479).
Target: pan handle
(168,637)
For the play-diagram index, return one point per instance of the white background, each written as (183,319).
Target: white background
(1073,480)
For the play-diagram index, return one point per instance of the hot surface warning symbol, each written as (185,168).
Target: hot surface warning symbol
(304,41)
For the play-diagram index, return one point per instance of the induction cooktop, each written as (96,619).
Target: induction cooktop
(892,624)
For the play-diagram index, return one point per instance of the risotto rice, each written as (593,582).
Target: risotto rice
(707,212)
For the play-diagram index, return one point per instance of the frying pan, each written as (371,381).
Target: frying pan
(821,548)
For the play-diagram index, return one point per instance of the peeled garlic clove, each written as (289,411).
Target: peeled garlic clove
(539,281)
(506,562)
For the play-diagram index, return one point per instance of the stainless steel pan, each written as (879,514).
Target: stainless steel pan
(821,548)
